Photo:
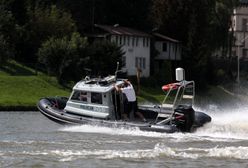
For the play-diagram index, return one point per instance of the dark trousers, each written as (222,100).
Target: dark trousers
(132,109)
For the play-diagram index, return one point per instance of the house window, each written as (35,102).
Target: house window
(144,42)
(96,98)
(164,47)
(234,53)
(244,53)
(137,41)
(128,38)
(133,41)
(116,39)
(123,61)
(144,63)
(124,40)
(137,62)
(140,62)
(147,42)
(120,42)
(112,39)
(244,24)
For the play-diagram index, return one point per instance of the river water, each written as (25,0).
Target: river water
(28,139)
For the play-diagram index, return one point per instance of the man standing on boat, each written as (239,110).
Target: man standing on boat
(132,106)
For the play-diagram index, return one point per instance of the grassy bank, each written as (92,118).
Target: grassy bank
(212,95)
(153,95)
(21,87)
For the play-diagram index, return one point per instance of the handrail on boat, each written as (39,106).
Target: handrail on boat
(181,94)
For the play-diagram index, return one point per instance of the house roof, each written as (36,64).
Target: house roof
(119,30)
(163,37)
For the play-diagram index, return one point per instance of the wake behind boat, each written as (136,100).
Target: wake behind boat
(96,101)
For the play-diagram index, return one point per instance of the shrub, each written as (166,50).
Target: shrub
(43,23)
(5,51)
(103,57)
(64,57)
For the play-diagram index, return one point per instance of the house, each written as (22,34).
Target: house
(167,48)
(135,44)
(240,30)
(137,47)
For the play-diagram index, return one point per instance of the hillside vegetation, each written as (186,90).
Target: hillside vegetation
(21,87)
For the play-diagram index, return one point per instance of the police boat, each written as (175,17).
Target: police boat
(95,101)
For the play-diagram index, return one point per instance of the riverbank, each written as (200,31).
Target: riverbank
(23,92)
(21,88)
(215,96)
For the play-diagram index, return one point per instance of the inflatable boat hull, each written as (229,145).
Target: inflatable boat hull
(59,115)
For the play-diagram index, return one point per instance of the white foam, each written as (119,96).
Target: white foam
(35,153)
(229,152)
(228,125)
(159,150)
(112,131)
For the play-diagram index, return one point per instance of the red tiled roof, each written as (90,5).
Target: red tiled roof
(119,30)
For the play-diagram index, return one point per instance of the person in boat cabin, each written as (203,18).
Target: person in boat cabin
(83,96)
(131,107)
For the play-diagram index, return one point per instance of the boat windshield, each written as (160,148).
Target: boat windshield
(96,98)
(87,97)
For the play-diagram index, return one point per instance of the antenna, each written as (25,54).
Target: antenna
(117,67)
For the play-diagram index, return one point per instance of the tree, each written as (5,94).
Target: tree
(64,57)
(103,57)
(7,33)
(44,22)
(124,12)
(5,51)
(201,25)
(223,39)
(7,23)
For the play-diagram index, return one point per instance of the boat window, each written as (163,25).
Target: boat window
(96,98)
(83,96)
(75,95)
(79,96)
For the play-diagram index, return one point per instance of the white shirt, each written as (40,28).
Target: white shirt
(129,92)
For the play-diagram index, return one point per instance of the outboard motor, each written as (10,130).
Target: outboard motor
(185,122)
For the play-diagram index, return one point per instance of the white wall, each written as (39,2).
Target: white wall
(240,14)
(173,52)
(136,49)
(240,27)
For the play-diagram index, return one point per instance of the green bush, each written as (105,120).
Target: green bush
(103,57)
(161,77)
(5,51)
(43,23)
(7,34)
(221,75)
(64,57)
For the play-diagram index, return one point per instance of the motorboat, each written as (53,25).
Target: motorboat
(95,101)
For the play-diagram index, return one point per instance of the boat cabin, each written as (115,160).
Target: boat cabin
(96,101)
(96,98)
